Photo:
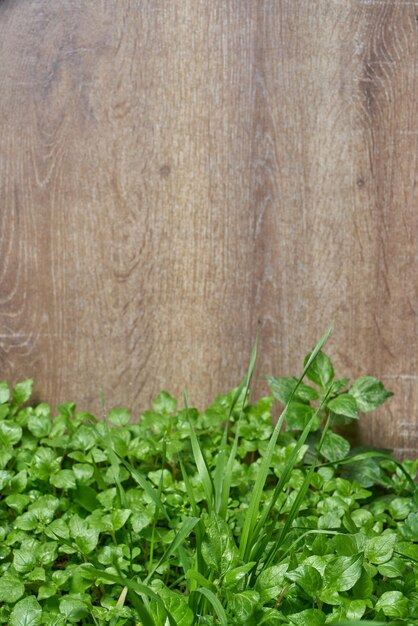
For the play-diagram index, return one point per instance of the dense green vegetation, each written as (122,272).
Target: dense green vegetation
(239,515)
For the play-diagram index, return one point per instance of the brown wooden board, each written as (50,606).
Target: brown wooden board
(178,175)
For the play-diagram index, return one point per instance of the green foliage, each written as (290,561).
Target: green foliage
(237,516)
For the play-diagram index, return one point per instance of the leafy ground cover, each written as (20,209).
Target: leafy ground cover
(238,515)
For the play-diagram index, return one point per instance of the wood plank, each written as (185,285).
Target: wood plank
(175,176)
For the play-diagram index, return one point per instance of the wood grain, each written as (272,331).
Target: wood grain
(175,176)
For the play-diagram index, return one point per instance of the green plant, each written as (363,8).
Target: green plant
(227,517)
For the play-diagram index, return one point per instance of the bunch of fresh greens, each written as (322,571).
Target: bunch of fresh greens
(228,517)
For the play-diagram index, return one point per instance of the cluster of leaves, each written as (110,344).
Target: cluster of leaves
(226,517)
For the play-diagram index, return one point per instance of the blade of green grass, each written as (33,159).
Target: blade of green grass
(140,589)
(201,465)
(200,563)
(185,530)
(365,622)
(136,475)
(247,536)
(298,500)
(217,606)
(223,476)
(287,471)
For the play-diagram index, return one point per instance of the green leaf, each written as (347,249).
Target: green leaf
(22,391)
(58,529)
(64,479)
(298,416)
(242,604)
(334,447)
(4,392)
(26,612)
(400,508)
(320,371)
(380,549)
(47,552)
(217,606)
(47,590)
(11,588)
(87,540)
(309,617)
(17,501)
(345,405)
(24,558)
(236,575)
(177,605)
(39,425)
(342,573)
(218,548)
(283,388)
(164,403)
(369,393)
(10,434)
(410,528)
(119,518)
(271,581)
(73,608)
(393,604)
(120,416)
(308,578)
(394,568)
(83,472)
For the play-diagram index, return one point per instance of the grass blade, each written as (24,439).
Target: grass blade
(140,589)
(247,536)
(202,467)
(185,530)
(223,476)
(137,476)
(217,606)
(200,563)
(299,498)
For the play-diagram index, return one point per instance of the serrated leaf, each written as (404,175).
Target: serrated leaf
(369,393)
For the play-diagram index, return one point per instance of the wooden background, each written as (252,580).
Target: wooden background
(178,174)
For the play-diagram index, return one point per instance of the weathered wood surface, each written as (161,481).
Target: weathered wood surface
(176,175)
